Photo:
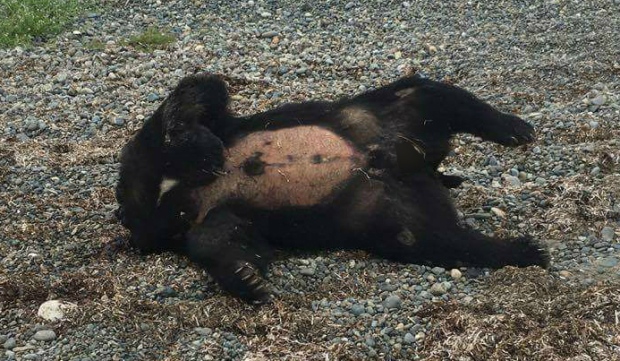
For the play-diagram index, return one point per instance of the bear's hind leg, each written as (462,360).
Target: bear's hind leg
(418,223)
(235,257)
(440,108)
(463,112)
(463,247)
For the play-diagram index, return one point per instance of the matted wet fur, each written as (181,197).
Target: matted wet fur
(359,173)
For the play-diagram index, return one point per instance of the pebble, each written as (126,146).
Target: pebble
(166,292)
(599,100)
(203,331)
(608,262)
(54,310)
(565,274)
(455,274)
(588,281)
(357,310)
(44,335)
(512,181)
(9,344)
(392,301)
(607,234)
(438,289)
(61,78)
(498,212)
(307,271)
(269,34)
(492,161)
(31,124)
(408,338)
(438,270)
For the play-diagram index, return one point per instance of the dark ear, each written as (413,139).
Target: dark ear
(197,100)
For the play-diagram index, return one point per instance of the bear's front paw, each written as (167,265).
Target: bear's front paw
(529,252)
(246,283)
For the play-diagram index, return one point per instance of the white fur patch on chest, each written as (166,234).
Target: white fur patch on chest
(165,186)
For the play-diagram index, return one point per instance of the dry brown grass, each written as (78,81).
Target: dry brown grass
(528,315)
(520,315)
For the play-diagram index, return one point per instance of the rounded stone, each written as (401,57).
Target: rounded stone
(44,335)
(438,289)
(392,301)
(456,274)
(512,181)
(409,338)
(307,271)
(10,343)
(599,100)
(607,234)
(357,310)
(608,262)
(438,270)
(54,310)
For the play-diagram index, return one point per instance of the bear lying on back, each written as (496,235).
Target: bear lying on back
(359,173)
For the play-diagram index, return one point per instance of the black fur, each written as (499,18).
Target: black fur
(403,128)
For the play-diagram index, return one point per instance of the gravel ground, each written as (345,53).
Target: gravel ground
(68,105)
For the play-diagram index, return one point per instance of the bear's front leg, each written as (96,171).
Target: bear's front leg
(226,247)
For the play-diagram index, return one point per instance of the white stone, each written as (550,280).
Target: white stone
(498,212)
(55,310)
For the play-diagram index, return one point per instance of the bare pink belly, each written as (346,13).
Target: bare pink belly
(299,166)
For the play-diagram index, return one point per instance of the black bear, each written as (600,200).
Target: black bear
(358,173)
